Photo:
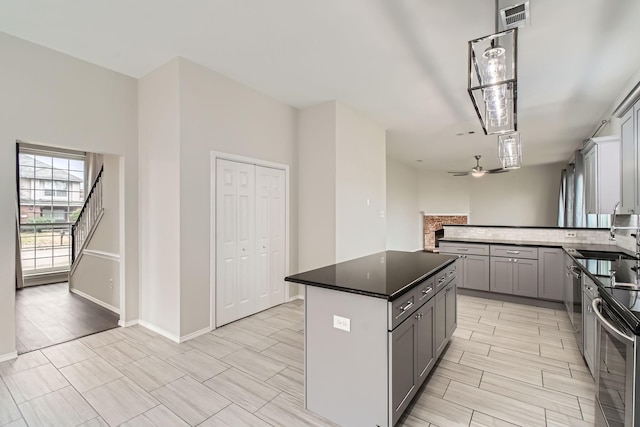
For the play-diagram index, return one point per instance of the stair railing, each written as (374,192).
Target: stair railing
(89,215)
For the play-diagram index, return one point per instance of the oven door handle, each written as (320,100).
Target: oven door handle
(606,324)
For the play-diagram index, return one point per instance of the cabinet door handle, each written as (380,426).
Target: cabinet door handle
(513,252)
(515,260)
(426,291)
(442,279)
(510,259)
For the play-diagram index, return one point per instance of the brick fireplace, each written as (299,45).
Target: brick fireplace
(433,231)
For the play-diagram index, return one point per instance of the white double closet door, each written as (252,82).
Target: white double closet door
(250,239)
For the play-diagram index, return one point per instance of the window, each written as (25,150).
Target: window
(51,188)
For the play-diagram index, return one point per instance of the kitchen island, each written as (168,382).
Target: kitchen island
(374,328)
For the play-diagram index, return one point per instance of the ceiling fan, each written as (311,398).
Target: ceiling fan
(478,171)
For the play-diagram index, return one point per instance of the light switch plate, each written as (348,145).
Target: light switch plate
(342,323)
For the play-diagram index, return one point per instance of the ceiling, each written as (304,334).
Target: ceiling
(400,62)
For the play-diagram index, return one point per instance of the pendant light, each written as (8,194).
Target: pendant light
(492,79)
(510,150)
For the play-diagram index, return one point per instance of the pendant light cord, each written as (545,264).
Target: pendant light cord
(496,17)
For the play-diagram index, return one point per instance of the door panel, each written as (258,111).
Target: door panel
(403,366)
(501,275)
(525,277)
(476,272)
(440,332)
(235,236)
(262,240)
(277,235)
(250,239)
(425,347)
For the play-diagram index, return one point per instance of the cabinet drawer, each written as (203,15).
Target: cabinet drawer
(464,249)
(515,251)
(441,279)
(403,307)
(425,290)
(452,271)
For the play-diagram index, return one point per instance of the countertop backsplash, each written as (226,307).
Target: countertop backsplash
(556,235)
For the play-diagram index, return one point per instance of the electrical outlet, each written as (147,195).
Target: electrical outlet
(342,323)
(571,234)
(111,283)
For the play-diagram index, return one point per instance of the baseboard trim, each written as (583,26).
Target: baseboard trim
(517,299)
(95,300)
(8,356)
(295,297)
(173,337)
(129,323)
(195,334)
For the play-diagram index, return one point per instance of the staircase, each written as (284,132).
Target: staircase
(90,215)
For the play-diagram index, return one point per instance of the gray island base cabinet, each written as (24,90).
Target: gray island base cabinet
(366,357)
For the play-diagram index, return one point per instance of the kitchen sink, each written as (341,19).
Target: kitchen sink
(604,255)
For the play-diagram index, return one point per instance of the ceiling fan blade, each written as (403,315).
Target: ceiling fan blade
(500,170)
(463,173)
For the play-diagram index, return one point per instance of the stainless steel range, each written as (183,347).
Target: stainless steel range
(617,312)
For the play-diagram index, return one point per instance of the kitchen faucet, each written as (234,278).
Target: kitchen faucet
(612,230)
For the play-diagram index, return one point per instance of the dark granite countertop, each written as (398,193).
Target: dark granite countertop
(571,247)
(385,275)
(625,302)
(501,242)
(523,226)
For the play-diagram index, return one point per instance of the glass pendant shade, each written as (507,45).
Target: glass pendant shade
(510,150)
(492,81)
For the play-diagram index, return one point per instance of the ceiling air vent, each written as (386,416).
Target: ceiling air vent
(515,16)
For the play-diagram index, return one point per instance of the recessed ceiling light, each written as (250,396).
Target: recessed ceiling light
(471,132)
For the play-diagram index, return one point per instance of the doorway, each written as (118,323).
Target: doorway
(51,193)
(249,237)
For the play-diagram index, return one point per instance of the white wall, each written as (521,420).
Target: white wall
(404,219)
(97,272)
(159,169)
(52,99)
(360,185)
(441,193)
(527,196)
(316,186)
(219,114)
(342,157)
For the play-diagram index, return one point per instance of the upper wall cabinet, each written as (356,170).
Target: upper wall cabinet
(602,174)
(628,161)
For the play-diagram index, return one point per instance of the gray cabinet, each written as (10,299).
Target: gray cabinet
(628,163)
(451,312)
(518,274)
(404,364)
(473,265)
(501,275)
(426,354)
(551,273)
(525,277)
(440,330)
(476,272)
(602,174)
(416,344)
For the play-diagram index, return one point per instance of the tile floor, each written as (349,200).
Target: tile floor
(507,364)
(50,314)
